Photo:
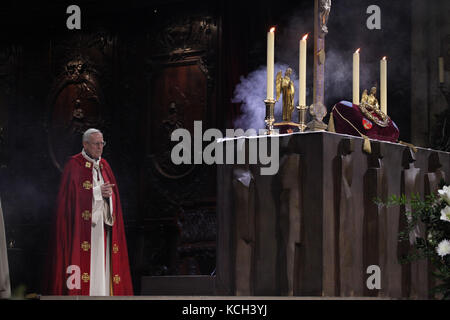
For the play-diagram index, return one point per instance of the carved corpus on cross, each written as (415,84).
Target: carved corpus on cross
(318,110)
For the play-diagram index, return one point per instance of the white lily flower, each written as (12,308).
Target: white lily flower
(445,194)
(445,214)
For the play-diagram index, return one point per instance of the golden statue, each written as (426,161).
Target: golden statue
(286,86)
(371,98)
(370,108)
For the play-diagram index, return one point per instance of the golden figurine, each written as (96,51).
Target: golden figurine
(370,108)
(371,98)
(286,86)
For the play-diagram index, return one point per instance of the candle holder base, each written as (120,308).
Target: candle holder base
(287,127)
(316,125)
(302,111)
(270,118)
(318,111)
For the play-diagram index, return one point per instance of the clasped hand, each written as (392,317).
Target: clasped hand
(106,189)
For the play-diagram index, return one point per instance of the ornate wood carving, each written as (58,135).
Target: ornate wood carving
(181,80)
(182,34)
(75,104)
(180,72)
(76,100)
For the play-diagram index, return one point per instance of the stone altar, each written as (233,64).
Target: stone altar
(313,228)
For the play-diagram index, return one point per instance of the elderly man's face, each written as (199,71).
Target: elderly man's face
(94,147)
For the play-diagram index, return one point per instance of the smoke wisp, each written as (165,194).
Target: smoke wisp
(251,93)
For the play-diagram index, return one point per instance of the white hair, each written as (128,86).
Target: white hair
(88,132)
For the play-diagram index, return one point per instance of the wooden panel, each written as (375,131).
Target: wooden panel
(75,104)
(181,84)
(180,97)
(71,115)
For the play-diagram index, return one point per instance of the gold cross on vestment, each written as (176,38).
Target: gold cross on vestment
(85,277)
(116,279)
(86,215)
(85,246)
(87,185)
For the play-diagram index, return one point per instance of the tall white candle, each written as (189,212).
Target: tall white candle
(356,77)
(441,70)
(383,85)
(302,71)
(270,62)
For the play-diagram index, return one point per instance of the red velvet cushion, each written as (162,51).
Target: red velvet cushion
(353,114)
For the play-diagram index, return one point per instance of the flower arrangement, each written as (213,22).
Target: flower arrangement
(433,215)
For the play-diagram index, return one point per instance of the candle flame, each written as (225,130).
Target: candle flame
(357,51)
(305,37)
(384,58)
(272,29)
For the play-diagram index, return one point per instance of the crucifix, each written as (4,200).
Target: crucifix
(318,110)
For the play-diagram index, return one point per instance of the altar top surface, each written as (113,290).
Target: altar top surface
(325,133)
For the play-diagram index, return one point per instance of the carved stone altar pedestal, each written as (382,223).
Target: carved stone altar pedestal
(313,229)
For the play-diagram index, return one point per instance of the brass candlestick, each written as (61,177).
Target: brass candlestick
(285,87)
(302,118)
(270,118)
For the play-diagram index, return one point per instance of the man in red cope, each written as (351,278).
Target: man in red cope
(88,255)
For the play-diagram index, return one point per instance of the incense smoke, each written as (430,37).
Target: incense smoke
(347,32)
(339,76)
(252,91)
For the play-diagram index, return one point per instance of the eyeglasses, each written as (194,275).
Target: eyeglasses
(99,144)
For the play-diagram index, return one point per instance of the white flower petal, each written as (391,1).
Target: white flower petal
(445,214)
(445,194)
(443,248)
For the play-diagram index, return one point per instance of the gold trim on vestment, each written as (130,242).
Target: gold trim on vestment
(85,277)
(85,246)
(87,185)
(86,215)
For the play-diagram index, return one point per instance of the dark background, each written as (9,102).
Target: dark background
(157,66)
